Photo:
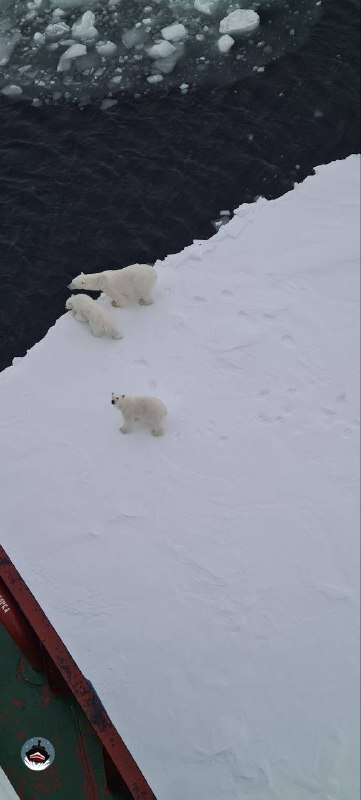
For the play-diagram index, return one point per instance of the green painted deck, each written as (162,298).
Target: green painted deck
(29,708)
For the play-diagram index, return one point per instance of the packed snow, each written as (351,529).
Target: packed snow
(6,790)
(206,582)
(72,50)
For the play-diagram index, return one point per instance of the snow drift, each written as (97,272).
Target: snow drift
(206,582)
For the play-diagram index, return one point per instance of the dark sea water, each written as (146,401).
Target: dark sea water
(90,189)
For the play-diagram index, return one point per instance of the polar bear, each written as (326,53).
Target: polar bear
(141,409)
(135,282)
(85,309)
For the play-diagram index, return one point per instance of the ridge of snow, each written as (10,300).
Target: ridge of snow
(207,582)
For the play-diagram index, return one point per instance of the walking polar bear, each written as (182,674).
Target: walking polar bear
(85,309)
(135,282)
(141,409)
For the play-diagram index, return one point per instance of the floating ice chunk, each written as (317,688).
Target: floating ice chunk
(106,48)
(58,13)
(133,37)
(166,65)
(155,78)
(11,90)
(107,103)
(39,38)
(115,81)
(161,50)
(74,51)
(173,33)
(65,4)
(23,69)
(240,21)
(84,29)
(56,30)
(206,6)
(225,43)
(7,44)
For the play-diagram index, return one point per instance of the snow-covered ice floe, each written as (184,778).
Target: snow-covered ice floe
(77,50)
(207,582)
(6,790)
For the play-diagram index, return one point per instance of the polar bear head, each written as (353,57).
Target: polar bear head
(69,305)
(79,282)
(118,400)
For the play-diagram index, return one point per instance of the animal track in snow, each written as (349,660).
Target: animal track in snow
(226,293)
(328,412)
(287,339)
(141,361)
(267,419)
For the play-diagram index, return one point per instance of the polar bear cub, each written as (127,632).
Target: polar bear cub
(141,409)
(85,309)
(135,282)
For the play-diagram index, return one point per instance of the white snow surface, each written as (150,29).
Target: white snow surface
(6,790)
(207,582)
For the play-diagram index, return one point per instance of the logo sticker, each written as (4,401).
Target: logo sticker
(37,754)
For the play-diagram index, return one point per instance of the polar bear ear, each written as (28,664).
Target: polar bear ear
(82,273)
(123,396)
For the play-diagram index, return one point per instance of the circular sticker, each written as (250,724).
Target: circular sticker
(37,754)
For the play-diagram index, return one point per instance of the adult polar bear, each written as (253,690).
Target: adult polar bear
(135,282)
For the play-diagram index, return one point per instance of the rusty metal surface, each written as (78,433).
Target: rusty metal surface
(18,628)
(114,746)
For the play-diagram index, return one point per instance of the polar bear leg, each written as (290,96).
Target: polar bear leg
(120,301)
(116,333)
(157,431)
(146,300)
(95,329)
(124,428)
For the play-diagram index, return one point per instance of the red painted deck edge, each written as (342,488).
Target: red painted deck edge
(86,697)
